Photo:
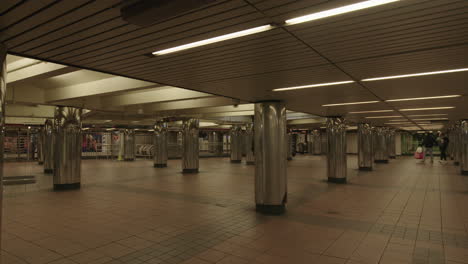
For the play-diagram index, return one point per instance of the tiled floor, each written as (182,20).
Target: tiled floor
(130,212)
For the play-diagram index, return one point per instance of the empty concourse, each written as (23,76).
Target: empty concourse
(233,131)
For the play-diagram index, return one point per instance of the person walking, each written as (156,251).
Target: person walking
(443,148)
(428,143)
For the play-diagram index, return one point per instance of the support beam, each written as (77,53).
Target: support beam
(203,103)
(16,110)
(37,71)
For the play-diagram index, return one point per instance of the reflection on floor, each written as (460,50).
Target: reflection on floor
(130,212)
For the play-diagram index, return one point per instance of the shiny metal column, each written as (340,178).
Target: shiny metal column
(365,147)
(3,73)
(160,145)
(129,144)
(249,142)
(456,143)
(391,145)
(336,156)
(317,142)
(190,149)
(48,146)
(218,143)
(464,147)
(270,157)
(67,151)
(289,146)
(211,142)
(236,144)
(380,145)
(40,147)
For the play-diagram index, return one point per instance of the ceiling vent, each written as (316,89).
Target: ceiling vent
(148,12)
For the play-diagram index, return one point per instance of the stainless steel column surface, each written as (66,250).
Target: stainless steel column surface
(249,142)
(190,149)
(289,146)
(365,147)
(456,143)
(336,156)
(270,157)
(48,146)
(236,143)
(464,147)
(40,146)
(218,143)
(211,142)
(391,144)
(3,72)
(380,145)
(160,144)
(67,151)
(129,144)
(317,142)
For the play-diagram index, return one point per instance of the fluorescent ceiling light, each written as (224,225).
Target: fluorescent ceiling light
(204,42)
(311,86)
(414,75)
(423,98)
(371,117)
(428,108)
(442,118)
(353,103)
(397,123)
(428,115)
(338,11)
(398,120)
(375,111)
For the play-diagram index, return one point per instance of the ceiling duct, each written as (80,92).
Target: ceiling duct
(148,12)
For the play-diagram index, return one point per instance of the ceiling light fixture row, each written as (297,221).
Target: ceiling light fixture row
(292,21)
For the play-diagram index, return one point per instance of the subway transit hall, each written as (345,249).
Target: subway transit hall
(233,131)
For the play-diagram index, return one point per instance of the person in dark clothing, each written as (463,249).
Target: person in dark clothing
(443,148)
(428,143)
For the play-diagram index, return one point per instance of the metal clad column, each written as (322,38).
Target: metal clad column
(67,155)
(380,145)
(336,156)
(365,148)
(317,142)
(48,146)
(3,73)
(464,147)
(160,145)
(391,143)
(236,144)
(456,144)
(270,157)
(129,144)
(249,142)
(218,143)
(289,146)
(190,150)
(40,147)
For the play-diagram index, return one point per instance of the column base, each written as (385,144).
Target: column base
(40,162)
(337,180)
(236,161)
(129,159)
(160,165)
(270,209)
(48,171)
(464,172)
(190,171)
(365,168)
(67,186)
(381,161)
(393,157)
(456,163)
(250,162)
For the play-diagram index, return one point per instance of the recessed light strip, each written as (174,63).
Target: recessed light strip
(423,98)
(375,111)
(376,117)
(311,86)
(428,108)
(204,42)
(414,75)
(428,115)
(338,11)
(352,103)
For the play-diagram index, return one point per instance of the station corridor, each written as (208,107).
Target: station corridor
(129,212)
